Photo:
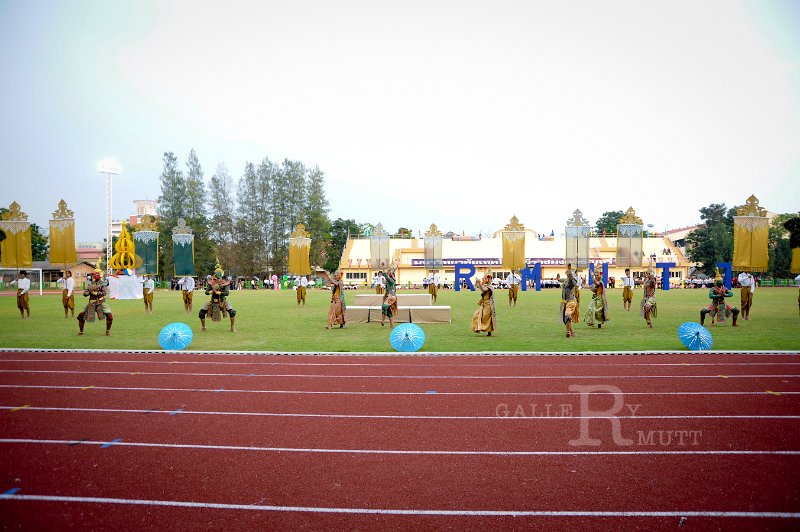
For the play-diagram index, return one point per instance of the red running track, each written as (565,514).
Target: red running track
(193,441)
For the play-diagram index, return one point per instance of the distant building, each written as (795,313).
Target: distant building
(486,255)
(89,251)
(142,207)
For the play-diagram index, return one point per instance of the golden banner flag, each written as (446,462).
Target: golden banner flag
(299,251)
(16,249)
(514,245)
(796,260)
(751,238)
(62,236)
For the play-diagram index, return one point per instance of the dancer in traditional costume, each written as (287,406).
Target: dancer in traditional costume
(148,288)
(598,307)
(301,284)
(338,306)
(513,280)
(485,318)
(627,289)
(96,291)
(718,309)
(187,291)
(748,284)
(389,305)
(67,284)
(23,287)
(579,283)
(218,306)
(433,289)
(568,300)
(648,308)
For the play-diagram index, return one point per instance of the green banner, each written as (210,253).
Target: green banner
(183,254)
(146,244)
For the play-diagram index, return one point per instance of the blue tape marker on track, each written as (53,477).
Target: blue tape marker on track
(431,391)
(219,390)
(10,492)
(174,412)
(109,444)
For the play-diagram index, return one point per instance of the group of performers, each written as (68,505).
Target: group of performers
(598,312)
(387,286)
(483,320)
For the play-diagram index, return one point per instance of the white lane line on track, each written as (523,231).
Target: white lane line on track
(391,364)
(366,416)
(390,511)
(314,392)
(398,451)
(458,377)
(422,354)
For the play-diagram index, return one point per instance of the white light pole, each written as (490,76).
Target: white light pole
(108,167)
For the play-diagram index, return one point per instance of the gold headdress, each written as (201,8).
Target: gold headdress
(718,276)
(97,269)
(218,271)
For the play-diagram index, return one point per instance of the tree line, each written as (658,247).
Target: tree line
(244,222)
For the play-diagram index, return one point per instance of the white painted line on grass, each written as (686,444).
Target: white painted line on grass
(401,451)
(427,377)
(366,416)
(391,511)
(314,392)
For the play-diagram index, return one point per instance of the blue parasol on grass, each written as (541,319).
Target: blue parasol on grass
(407,337)
(175,336)
(695,336)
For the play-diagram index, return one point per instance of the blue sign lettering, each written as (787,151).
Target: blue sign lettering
(534,273)
(464,276)
(665,273)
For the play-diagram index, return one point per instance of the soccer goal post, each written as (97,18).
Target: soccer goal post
(7,275)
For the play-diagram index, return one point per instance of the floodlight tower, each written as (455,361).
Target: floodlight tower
(108,167)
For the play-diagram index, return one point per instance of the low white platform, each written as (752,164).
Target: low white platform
(409,300)
(405,314)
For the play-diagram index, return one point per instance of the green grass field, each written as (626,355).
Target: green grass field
(271,321)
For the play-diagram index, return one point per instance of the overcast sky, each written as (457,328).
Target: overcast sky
(461,113)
